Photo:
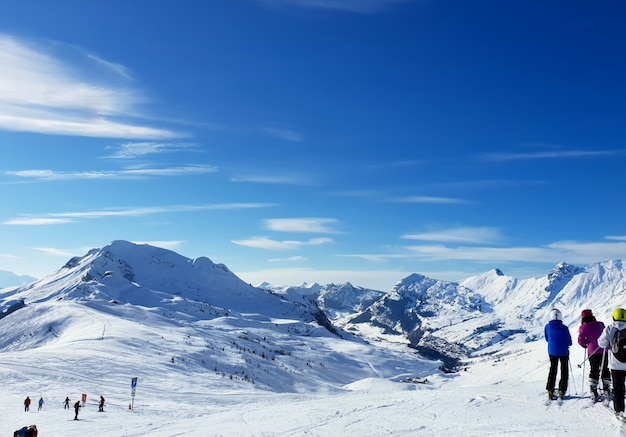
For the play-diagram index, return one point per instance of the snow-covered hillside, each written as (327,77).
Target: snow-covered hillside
(216,356)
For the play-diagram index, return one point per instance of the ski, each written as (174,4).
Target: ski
(554,400)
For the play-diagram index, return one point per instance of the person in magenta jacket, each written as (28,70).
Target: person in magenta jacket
(559,340)
(588,333)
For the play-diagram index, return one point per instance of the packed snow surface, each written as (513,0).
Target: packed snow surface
(229,359)
(503,396)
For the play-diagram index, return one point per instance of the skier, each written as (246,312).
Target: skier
(101,404)
(27,403)
(618,368)
(588,333)
(40,404)
(66,403)
(559,340)
(76,408)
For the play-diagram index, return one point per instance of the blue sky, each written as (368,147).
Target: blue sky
(315,140)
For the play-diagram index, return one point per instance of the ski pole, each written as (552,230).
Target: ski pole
(602,369)
(587,357)
(572,379)
(582,384)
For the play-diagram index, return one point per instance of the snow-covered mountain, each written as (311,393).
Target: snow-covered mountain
(199,313)
(196,335)
(442,320)
(452,321)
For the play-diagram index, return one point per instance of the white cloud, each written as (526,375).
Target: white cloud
(427,199)
(41,93)
(475,235)
(117,68)
(67,217)
(318,225)
(577,252)
(554,154)
(616,237)
(489,254)
(269,244)
(288,259)
(136,149)
(54,251)
(553,253)
(50,175)
(286,179)
(36,221)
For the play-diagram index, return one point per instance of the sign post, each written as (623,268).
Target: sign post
(133,387)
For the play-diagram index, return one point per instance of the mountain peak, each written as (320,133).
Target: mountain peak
(560,275)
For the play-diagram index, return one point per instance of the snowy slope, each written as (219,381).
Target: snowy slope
(218,357)
(501,395)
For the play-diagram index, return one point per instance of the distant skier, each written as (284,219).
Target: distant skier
(559,340)
(66,403)
(588,333)
(101,404)
(610,337)
(76,408)
(27,404)
(40,404)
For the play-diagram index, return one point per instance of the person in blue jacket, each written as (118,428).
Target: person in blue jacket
(559,340)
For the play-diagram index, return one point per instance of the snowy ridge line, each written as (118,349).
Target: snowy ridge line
(192,365)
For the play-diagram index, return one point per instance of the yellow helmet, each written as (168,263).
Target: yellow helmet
(619,314)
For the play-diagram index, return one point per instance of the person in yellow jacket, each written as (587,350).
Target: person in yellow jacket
(616,365)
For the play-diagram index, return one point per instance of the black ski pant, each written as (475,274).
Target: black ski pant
(554,365)
(618,389)
(595,362)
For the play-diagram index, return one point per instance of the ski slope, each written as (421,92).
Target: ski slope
(501,395)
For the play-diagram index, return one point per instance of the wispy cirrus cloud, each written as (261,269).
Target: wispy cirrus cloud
(51,175)
(313,225)
(285,134)
(281,179)
(288,259)
(428,199)
(550,154)
(68,217)
(55,251)
(40,92)
(136,149)
(269,244)
(552,253)
(475,235)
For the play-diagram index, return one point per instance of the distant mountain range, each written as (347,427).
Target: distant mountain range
(10,279)
(155,288)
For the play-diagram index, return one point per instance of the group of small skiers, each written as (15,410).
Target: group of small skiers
(605,349)
(31,431)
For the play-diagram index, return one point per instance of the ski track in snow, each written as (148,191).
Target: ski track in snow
(488,399)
